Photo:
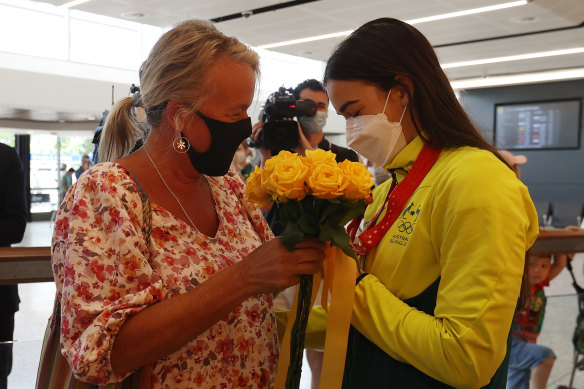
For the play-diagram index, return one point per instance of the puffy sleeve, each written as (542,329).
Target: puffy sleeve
(100,262)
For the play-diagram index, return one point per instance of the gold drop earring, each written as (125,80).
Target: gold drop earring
(180,144)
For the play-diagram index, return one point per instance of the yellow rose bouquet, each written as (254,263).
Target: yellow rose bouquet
(317,197)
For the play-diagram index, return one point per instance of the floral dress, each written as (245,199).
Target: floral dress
(105,271)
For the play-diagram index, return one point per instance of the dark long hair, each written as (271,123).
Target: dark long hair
(380,50)
(384,48)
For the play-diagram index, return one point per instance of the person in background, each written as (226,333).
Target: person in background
(514,161)
(242,160)
(379,174)
(177,287)
(13,216)
(530,364)
(65,184)
(311,137)
(85,164)
(312,126)
(445,242)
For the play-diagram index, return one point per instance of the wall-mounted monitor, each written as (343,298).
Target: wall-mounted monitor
(538,125)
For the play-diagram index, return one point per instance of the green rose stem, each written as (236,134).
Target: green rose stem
(325,220)
(298,334)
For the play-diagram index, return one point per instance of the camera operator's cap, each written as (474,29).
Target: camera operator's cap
(513,159)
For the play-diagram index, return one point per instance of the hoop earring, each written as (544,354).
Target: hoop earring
(180,144)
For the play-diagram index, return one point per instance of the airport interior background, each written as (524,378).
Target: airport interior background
(62,66)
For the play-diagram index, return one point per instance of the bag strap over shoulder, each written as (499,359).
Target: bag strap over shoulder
(146,210)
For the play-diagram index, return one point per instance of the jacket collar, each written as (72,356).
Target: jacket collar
(405,159)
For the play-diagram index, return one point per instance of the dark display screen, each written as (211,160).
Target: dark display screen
(538,125)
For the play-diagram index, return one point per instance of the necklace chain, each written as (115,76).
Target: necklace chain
(168,187)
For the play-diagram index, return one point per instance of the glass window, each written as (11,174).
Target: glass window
(104,41)
(8,139)
(43,173)
(39,33)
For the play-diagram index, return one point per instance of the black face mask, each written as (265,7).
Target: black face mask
(225,138)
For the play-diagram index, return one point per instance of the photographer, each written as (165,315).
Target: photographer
(309,127)
(312,126)
(310,136)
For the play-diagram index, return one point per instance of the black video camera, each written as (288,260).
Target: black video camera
(279,131)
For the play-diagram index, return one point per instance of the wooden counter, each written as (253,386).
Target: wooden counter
(25,264)
(559,241)
(33,264)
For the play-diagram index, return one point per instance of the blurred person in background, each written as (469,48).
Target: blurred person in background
(65,184)
(13,216)
(530,364)
(242,161)
(85,164)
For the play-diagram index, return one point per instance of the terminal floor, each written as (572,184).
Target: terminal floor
(37,302)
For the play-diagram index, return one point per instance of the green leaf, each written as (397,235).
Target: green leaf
(307,204)
(318,204)
(345,245)
(327,210)
(357,209)
(338,237)
(289,211)
(308,224)
(292,235)
(326,233)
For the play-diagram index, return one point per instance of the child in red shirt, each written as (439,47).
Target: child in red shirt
(530,364)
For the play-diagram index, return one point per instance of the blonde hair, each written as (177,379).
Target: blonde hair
(177,68)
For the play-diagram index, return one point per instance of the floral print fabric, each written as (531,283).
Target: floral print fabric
(105,271)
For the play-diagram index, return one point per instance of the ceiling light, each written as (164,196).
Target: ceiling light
(525,78)
(309,39)
(74,3)
(541,54)
(412,21)
(467,12)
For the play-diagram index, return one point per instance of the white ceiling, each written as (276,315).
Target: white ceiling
(492,34)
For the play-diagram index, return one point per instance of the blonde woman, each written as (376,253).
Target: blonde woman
(192,305)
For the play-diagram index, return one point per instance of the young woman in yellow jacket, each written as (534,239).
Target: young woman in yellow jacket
(444,266)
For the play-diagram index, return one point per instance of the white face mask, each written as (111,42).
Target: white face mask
(313,124)
(375,137)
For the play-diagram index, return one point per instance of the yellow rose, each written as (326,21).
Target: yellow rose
(272,162)
(326,181)
(255,191)
(358,180)
(287,179)
(318,157)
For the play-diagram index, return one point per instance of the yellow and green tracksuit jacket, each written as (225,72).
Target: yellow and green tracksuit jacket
(468,224)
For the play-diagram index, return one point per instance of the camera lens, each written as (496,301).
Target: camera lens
(305,108)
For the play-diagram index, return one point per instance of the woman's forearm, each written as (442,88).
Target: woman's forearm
(164,327)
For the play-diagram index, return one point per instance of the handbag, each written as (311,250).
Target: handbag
(54,371)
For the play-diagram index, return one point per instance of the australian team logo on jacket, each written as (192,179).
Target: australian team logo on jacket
(405,224)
